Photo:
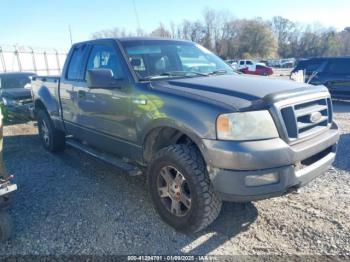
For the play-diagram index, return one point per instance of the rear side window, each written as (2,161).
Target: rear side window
(339,67)
(76,63)
(249,63)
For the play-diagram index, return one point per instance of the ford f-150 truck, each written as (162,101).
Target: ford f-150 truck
(175,112)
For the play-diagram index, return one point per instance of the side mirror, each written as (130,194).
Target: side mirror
(102,78)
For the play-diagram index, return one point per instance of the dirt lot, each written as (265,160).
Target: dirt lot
(73,204)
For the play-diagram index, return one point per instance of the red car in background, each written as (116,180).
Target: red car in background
(259,70)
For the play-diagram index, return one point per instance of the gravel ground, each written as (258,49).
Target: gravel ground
(71,203)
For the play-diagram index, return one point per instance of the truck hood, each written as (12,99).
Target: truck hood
(240,92)
(16,93)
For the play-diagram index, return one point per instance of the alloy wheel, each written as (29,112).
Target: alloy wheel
(45,133)
(174,191)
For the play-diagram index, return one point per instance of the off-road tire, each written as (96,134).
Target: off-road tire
(205,204)
(5,226)
(56,138)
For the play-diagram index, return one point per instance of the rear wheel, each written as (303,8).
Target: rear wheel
(52,139)
(5,226)
(181,190)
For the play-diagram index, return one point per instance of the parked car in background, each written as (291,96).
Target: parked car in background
(15,93)
(232,63)
(245,63)
(250,64)
(257,70)
(281,63)
(287,64)
(201,137)
(333,72)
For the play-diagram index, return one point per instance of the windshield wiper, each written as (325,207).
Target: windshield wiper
(313,75)
(218,72)
(186,73)
(173,74)
(154,77)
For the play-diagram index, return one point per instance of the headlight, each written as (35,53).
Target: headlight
(9,102)
(252,125)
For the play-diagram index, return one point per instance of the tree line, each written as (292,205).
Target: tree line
(255,38)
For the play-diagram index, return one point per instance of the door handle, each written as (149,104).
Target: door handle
(81,93)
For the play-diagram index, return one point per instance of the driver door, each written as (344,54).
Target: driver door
(104,113)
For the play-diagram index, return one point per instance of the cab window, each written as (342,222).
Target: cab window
(105,57)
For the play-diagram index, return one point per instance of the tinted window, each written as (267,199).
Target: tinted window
(311,66)
(76,63)
(249,63)
(105,57)
(339,67)
(241,63)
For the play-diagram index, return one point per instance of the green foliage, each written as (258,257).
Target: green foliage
(4,112)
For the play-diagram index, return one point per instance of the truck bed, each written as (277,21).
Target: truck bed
(47,83)
(47,87)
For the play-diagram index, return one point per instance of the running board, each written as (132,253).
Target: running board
(117,162)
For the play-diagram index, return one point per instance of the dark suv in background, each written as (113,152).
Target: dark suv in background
(333,72)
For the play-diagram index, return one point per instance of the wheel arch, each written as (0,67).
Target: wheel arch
(45,100)
(164,134)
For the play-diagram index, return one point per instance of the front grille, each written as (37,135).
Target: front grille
(306,118)
(25,101)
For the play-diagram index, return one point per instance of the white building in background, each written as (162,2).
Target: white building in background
(43,61)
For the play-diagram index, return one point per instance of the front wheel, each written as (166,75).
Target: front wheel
(181,190)
(52,139)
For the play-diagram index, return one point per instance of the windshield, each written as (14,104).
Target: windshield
(157,59)
(14,81)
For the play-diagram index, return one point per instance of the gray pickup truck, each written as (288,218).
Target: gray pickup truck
(175,112)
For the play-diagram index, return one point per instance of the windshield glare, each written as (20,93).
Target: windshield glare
(150,59)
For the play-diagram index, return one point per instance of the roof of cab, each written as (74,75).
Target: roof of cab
(326,58)
(127,39)
(132,39)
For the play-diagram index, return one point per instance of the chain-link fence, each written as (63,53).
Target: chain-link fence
(28,59)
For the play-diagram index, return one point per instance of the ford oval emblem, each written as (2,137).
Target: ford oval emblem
(315,117)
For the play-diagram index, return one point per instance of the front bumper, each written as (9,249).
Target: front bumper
(230,162)
(24,111)
(6,188)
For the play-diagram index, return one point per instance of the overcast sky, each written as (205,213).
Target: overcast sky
(44,23)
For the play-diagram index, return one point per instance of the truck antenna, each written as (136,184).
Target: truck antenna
(70,35)
(136,14)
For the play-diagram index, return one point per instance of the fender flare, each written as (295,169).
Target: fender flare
(193,134)
(50,103)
